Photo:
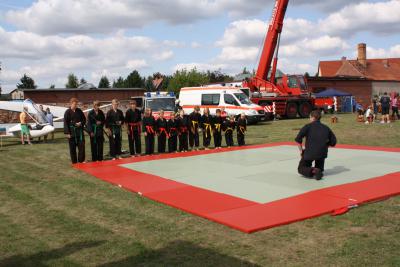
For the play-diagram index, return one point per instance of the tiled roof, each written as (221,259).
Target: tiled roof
(387,69)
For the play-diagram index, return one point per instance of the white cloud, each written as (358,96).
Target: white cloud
(94,16)
(136,64)
(392,52)
(195,45)
(164,55)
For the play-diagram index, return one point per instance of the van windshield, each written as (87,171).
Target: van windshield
(242,97)
(157,104)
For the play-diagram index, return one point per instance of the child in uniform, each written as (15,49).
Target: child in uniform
(133,120)
(217,129)
(195,118)
(149,124)
(96,120)
(241,129)
(206,125)
(172,126)
(161,126)
(184,126)
(114,121)
(229,127)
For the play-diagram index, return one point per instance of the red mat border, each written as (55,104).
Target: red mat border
(241,214)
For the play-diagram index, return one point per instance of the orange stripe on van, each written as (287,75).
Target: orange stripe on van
(209,88)
(216,107)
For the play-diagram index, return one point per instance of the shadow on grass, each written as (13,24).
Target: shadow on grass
(39,259)
(180,253)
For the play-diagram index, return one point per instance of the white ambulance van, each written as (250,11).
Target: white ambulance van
(233,99)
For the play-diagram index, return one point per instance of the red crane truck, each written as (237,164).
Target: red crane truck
(288,96)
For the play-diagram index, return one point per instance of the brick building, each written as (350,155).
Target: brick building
(61,97)
(362,77)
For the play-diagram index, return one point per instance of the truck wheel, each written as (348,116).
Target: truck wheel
(305,109)
(291,110)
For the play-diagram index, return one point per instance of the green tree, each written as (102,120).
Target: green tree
(52,86)
(72,81)
(245,71)
(185,78)
(26,83)
(134,80)
(218,76)
(307,75)
(104,82)
(119,83)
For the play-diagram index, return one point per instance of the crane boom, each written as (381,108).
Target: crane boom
(271,43)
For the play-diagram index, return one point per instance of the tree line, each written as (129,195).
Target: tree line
(171,83)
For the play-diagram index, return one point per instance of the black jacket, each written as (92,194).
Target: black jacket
(70,120)
(92,125)
(318,138)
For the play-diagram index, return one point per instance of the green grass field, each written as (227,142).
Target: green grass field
(53,215)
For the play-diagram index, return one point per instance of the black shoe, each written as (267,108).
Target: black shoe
(317,174)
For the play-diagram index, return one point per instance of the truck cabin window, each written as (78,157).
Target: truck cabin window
(230,100)
(166,104)
(210,99)
(243,98)
(293,82)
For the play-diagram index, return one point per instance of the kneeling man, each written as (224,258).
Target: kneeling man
(318,138)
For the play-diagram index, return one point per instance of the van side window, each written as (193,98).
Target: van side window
(210,99)
(230,100)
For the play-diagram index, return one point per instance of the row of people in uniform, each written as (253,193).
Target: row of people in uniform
(177,133)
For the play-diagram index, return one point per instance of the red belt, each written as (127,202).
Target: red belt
(163,130)
(133,126)
(172,129)
(183,129)
(149,129)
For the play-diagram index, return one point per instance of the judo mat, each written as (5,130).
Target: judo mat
(257,187)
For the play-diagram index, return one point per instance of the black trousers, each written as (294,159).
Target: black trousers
(395,111)
(206,138)
(149,143)
(183,142)
(172,143)
(217,139)
(194,139)
(162,141)
(115,145)
(73,145)
(305,166)
(229,139)
(135,144)
(240,139)
(96,145)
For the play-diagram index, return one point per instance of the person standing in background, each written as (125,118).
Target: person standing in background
(395,108)
(50,120)
(95,126)
(24,126)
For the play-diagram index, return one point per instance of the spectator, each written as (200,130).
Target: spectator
(24,126)
(50,120)
(395,107)
(385,103)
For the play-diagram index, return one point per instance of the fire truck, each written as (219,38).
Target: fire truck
(287,96)
(157,101)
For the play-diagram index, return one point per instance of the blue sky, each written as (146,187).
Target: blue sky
(47,39)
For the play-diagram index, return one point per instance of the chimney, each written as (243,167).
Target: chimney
(344,58)
(362,55)
(386,63)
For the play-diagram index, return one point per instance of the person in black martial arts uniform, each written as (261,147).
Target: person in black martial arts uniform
(149,125)
(133,121)
(114,121)
(217,123)
(241,128)
(74,121)
(229,127)
(206,125)
(184,127)
(195,118)
(162,132)
(318,139)
(96,120)
(172,126)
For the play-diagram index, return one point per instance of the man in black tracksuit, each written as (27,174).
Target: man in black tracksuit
(95,126)
(74,121)
(318,139)
(133,120)
(114,122)
(149,130)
